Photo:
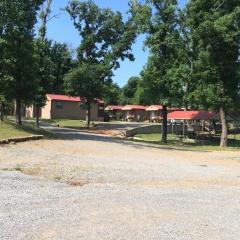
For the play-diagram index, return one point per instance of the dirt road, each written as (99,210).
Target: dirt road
(95,187)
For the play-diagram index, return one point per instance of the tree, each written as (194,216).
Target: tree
(62,62)
(18,81)
(158,19)
(82,81)
(105,38)
(2,47)
(112,94)
(44,73)
(129,90)
(215,27)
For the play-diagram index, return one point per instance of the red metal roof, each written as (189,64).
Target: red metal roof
(160,107)
(63,98)
(154,108)
(134,107)
(192,115)
(113,107)
(60,97)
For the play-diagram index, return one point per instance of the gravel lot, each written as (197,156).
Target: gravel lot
(95,187)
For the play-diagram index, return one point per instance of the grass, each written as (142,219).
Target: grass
(10,130)
(66,123)
(174,141)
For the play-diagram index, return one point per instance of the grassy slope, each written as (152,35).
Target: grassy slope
(173,141)
(10,130)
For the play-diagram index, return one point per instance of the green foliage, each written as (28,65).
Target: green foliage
(158,19)
(86,81)
(129,90)
(44,73)
(44,64)
(17,31)
(112,94)
(61,58)
(105,39)
(215,29)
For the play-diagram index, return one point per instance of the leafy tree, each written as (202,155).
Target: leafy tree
(18,18)
(44,73)
(112,94)
(129,90)
(105,38)
(62,62)
(82,81)
(215,27)
(2,47)
(158,19)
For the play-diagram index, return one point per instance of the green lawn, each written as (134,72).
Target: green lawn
(174,141)
(66,123)
(10,130)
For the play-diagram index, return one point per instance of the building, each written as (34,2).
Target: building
(114,112)
(65,107)
(155,112)
(193,115)
(135,113)
(196,121)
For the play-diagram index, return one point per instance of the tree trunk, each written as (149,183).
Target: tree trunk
(164,124)
(1,112)
(37,115)
(88,114)
(18,112)
(224,136)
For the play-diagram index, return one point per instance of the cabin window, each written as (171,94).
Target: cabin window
(59,105)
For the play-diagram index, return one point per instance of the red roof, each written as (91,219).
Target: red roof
(154,108)
(63,98)
(160,107)
(59,97)
(134,107)
(113,107)
(192,115)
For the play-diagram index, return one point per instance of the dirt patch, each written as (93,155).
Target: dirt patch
(112,133)
(77,183)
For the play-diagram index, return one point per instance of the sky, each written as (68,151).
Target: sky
(61,29)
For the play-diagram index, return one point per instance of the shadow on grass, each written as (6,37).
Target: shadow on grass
(208,145)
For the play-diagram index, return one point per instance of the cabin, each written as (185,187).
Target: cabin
(155,112)
(114,112)
(66,107)
(135,113)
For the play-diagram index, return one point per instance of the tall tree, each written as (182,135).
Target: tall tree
(130,89)
(158,19)
(62,62)
(44,73)
(2,47)
(19,62)
(215,27)
(105,38)
(112,94)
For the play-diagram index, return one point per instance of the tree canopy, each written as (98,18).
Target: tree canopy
(105,39)
(158,19)
(215,32)
(18,18)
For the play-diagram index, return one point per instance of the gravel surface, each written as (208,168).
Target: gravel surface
(93,187)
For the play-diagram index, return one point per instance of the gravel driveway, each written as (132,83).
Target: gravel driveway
(94,187)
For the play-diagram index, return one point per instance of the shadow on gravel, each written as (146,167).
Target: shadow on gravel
(70,134)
